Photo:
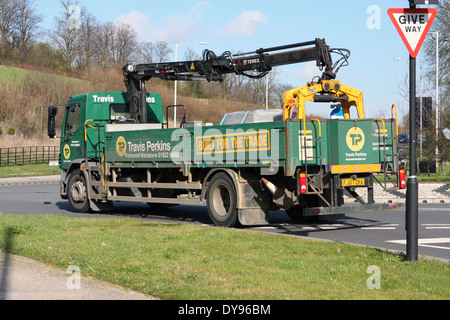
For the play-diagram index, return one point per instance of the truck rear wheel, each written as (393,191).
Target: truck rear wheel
(77,192)
(222,201)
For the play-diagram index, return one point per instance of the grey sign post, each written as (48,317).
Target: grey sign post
(413,25)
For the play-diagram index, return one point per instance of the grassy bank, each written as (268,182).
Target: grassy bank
(174,261)
(11,76)
(26,94)
(28,170)
(436,177)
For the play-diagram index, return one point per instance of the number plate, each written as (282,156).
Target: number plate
(352,182)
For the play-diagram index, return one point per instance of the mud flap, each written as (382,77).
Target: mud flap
(253,204)
(253,216)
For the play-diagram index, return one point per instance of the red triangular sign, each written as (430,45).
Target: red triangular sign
(413,26)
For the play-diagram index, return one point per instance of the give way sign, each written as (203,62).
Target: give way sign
(413,26)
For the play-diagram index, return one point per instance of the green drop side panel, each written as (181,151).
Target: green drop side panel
(243,145)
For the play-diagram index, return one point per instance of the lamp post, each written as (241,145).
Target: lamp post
(176,82)
(437,97)
(267,91)
(420,102)
(267,87)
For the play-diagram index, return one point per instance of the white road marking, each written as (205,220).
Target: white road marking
(429,242)
(437,226)
(324,227)
(387,226)
(266,227)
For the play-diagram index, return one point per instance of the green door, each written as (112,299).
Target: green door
(72,139)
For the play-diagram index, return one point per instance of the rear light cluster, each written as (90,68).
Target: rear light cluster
(302,183)
(402,179)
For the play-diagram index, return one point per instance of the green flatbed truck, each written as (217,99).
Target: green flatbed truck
(117,146)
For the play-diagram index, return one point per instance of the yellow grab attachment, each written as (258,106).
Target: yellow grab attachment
(324,91)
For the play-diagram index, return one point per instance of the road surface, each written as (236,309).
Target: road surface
(384,230)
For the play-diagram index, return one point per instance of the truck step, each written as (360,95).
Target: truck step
(180,200)
(156,185)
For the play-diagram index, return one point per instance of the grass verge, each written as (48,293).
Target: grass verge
(29,170)
(180,261)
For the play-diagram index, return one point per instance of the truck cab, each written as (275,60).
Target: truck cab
(82,137)
(85,113)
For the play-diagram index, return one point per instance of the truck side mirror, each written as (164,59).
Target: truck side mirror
(52,112)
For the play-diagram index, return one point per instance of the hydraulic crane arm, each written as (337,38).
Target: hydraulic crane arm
(212,67)
(254,64)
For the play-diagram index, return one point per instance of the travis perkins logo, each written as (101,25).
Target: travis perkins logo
(355,139)
(137,149)
(66,151)
(121,146)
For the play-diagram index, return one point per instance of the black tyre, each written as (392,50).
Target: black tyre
(77,192)
(222,201)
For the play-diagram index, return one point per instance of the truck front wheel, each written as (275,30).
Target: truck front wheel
(222,201)
(77,192)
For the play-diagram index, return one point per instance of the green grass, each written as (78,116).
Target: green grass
(180,261)
(12,76)
(435,177)
(29,170)
(430,178)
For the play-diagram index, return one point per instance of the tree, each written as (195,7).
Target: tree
(279,90)
(66,34)
(193,87)
(260,87)
(116,44)
(162,51)
(87,39)
(442,25)
(27,28)
(44,55)
(8,14)
(146,52)
(125,43)
(105,41)
(190,55)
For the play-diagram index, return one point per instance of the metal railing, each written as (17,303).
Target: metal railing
(17,156)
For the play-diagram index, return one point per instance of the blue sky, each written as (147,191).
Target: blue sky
(362,26)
